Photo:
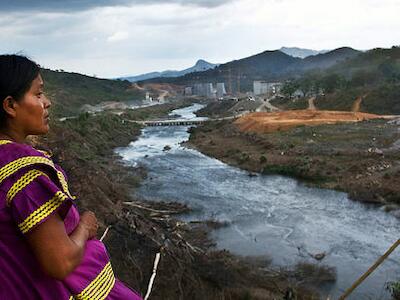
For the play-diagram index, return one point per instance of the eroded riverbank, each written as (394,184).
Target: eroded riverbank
(361,159)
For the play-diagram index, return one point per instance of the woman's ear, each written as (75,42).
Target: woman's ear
(9,106)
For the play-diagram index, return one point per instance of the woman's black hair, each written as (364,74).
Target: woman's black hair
(16,76)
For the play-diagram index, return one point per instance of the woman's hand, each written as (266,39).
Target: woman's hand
(89,222)
(58,253)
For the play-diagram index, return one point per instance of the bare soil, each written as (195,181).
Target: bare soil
(262,122)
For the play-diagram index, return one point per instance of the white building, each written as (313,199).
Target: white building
(264,87)
(148,97)
(188,91)
(204,89)
(221,91)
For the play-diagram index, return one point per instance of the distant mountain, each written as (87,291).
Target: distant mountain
(300,52)
(328,59)
(238,75)
(201,65)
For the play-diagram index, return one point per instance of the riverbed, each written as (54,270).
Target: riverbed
(271,216)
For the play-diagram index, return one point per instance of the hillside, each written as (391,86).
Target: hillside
(329,59)
(372,60)
(239,75)
(69,91)
(373,75)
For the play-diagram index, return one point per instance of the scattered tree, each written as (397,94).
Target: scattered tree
(289,88)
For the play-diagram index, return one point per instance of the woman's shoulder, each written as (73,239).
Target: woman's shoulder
(11,151)
(18,160)
(15,157)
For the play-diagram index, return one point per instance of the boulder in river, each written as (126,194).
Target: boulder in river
(319,256)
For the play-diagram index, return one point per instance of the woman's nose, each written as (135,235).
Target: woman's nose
(47,102)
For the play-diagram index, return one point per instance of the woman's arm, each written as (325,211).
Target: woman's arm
(58,253)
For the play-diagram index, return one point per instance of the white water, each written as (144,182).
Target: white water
(269,215)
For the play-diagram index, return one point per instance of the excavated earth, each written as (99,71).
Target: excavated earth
(262,122)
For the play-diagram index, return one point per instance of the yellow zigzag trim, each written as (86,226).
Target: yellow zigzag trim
(100,287)
(4,142)
(42,212)
(22,162)
(63,182)
(22,183)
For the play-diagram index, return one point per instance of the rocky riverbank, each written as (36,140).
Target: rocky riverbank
(189,268)
(358,158)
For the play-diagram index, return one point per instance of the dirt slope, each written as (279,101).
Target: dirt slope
(262,122)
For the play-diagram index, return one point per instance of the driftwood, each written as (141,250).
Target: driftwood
(153,276)
(165,212)
(105,233)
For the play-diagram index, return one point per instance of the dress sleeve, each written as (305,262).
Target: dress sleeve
(34,197)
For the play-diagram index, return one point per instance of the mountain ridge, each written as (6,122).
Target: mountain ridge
(271,65)
(301,52)
(201,65)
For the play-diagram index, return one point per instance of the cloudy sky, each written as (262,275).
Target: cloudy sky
(111,38)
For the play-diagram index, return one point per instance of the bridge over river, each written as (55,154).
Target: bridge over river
(174,122)
(183,122)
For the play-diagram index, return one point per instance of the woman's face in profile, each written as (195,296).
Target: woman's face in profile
(32,115)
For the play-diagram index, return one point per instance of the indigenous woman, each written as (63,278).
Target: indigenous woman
(47,250)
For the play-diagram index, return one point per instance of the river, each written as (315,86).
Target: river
(272,216)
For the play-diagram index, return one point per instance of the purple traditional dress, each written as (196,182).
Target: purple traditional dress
(32,188)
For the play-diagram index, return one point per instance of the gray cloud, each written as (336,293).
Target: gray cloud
(77,5)
(133,37)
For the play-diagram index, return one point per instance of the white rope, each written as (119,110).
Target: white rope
(105,233)
(153,276)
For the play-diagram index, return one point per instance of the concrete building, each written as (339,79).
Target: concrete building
(266,88)
(221,91)
(260,87)
(204,89)
(148,97)
(210,92)
(198,89)
(188,91)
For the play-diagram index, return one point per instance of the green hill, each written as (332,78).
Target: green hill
(374,60)
(69,91)
(328,59)
(373,75)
